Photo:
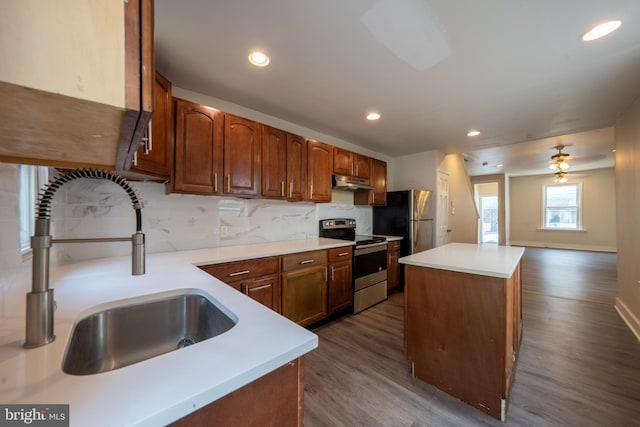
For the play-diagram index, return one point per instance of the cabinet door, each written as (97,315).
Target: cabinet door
(319,167)
(304,295)
(378,180)
(340,286)
(393,266)
(241,156)
(198,149)
(362,165)
(296,167)
(154,154)
(273,162)
(265,290)
(342,162)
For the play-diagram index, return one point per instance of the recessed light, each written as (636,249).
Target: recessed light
(473,132)
(499,165)
(259,59)
(373,116)
(601,30)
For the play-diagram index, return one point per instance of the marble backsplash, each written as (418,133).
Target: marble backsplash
(92,208)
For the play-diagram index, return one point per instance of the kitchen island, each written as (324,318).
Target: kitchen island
(463,321)
(165,388)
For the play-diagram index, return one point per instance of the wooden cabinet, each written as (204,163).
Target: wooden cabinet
(258,278)
(462,333)
(154,155)
(275,399)
(319,167)
(362,166)
(393,267)
(78,92)
(342,162)
(296,168)
(241,156)
(340,279)
(198,149)
(348,163)
(274,163)
(304,287)
(378,180)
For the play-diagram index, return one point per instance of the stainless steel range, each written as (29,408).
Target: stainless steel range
(369,261)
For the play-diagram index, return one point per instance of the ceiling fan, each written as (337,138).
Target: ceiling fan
(559,164)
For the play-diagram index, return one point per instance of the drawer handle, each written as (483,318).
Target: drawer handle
(307,261)
(246,288)
(239,273)
(343,254)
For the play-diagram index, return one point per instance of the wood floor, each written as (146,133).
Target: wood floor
(579,364)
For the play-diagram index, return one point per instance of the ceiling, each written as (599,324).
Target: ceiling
(514,69)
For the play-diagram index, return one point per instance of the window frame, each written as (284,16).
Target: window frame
(578,207)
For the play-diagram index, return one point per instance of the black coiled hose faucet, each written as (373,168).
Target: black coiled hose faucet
(40,302)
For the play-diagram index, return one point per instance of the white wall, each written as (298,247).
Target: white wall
(627,134)
(599,213)
(414,171)
(463,215)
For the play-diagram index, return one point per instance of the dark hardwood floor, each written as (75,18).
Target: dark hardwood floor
(579,364)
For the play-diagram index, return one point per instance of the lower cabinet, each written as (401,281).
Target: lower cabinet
(258,278)
(304,287)
(393,266)
(340,279)
(276,400)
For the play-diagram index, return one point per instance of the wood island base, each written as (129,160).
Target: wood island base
(462,333)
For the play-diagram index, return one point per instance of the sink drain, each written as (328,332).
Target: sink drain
(185,342)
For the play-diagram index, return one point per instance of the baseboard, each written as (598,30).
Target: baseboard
(629,318)
(591,248)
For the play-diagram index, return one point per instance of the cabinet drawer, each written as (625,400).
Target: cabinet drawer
(241,270)
(303,260)
(344,253)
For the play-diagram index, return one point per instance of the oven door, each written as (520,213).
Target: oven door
(369,265)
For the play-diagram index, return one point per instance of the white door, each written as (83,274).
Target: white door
(442,209)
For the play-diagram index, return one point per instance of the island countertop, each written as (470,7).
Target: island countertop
(485,260)
(165,388)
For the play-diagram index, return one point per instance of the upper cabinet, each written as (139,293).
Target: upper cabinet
(319,167)
(296,168)
(348,163)
(198,149)
(362,166)
(61,106)
(154,155)
(241,156)
(274,163)
(342,161)
(378,180)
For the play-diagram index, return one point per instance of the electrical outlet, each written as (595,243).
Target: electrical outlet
(224,230)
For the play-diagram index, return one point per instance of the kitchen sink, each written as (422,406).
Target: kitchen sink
(134,332)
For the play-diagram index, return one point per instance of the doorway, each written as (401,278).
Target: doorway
(489,196)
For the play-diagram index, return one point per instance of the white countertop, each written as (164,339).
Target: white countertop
(167,387)
(485,260)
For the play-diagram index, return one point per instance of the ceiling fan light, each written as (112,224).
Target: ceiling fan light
(563,165)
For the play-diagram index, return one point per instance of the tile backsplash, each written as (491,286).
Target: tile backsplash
(96,208)
(91,208)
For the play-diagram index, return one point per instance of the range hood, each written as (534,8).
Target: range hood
(350,183)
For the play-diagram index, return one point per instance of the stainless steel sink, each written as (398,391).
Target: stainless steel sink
(124,335)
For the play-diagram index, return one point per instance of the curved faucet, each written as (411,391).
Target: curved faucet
(40,302)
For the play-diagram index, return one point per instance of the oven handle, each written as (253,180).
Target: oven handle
(371,245)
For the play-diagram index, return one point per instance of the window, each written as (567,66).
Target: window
(30,180)
(562,210)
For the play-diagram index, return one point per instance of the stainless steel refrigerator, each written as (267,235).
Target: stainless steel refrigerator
(409,213)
